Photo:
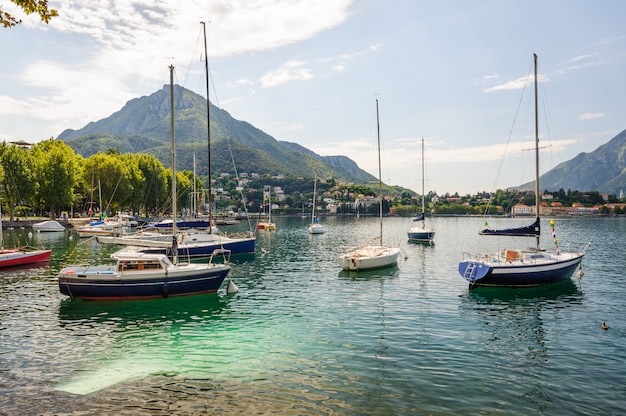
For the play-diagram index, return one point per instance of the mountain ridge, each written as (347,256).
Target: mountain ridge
(143,124)
(603,170)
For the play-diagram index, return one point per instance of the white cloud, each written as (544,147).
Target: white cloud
(517,84)
(290,71)
(589,116)
(121,49)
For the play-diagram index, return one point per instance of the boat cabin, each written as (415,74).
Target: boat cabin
(138,263)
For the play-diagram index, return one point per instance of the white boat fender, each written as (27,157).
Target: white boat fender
(232,287)
(580,273)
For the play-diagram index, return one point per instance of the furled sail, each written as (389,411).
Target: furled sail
(420,218)
(531,230)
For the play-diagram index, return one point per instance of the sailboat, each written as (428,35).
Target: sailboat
(192,243)
(315,227)
(11,257)
(372,256)
(527,267)
(144,275)
(420,232)
(267,225)
(102,226)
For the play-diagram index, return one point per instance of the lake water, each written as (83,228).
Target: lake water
(303,338)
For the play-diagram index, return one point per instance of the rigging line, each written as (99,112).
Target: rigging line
(519,104)
(550,132)
(230,149)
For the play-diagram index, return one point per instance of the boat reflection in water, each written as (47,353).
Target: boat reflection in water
(175,311)
(514,334)
(130,341)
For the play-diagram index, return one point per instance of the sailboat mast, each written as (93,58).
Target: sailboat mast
(174,197)
(195,195)
(314,192)
(93,174)
(208,128)
(380,181)
(100,198)
(538,237)
(423,201)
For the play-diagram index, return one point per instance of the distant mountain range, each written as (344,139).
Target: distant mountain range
(603,170)
(143,125)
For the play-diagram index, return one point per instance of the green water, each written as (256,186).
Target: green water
(302,337)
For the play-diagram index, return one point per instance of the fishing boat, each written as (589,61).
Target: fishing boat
(315,227)
(201,240)
(523,267)
(372,256)
(420,232)
(137,275)
(19,256)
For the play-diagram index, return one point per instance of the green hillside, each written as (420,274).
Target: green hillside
(603,170)
(143,125)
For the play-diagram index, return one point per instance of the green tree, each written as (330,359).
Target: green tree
(39,7)
(19,181)
(57,173)
(106,173)
(152,192)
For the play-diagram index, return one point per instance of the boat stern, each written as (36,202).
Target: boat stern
(472,270)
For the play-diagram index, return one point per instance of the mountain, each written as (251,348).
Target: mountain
(143,125)
(603,170)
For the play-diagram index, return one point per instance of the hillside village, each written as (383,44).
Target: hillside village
(341,198)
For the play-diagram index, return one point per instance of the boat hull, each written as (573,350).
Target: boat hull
(48,226)
(317,229)
(369,258)
(517,274)
(12,258)
(189,245)
(420,234)
(181,224)
(201,249)
(105,283)
(266,226)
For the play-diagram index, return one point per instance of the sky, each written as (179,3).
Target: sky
(454,73)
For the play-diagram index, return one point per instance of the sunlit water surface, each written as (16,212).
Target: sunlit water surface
(302,337)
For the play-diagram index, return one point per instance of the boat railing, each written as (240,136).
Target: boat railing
(225,253)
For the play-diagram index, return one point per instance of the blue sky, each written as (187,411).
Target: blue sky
(309,71)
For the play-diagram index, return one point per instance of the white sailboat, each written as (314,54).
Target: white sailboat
(315,227)
(523,267)
(372,256)
(420,232)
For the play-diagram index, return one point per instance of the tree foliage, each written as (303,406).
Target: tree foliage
(39,7)
(57,170)
(18,180)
